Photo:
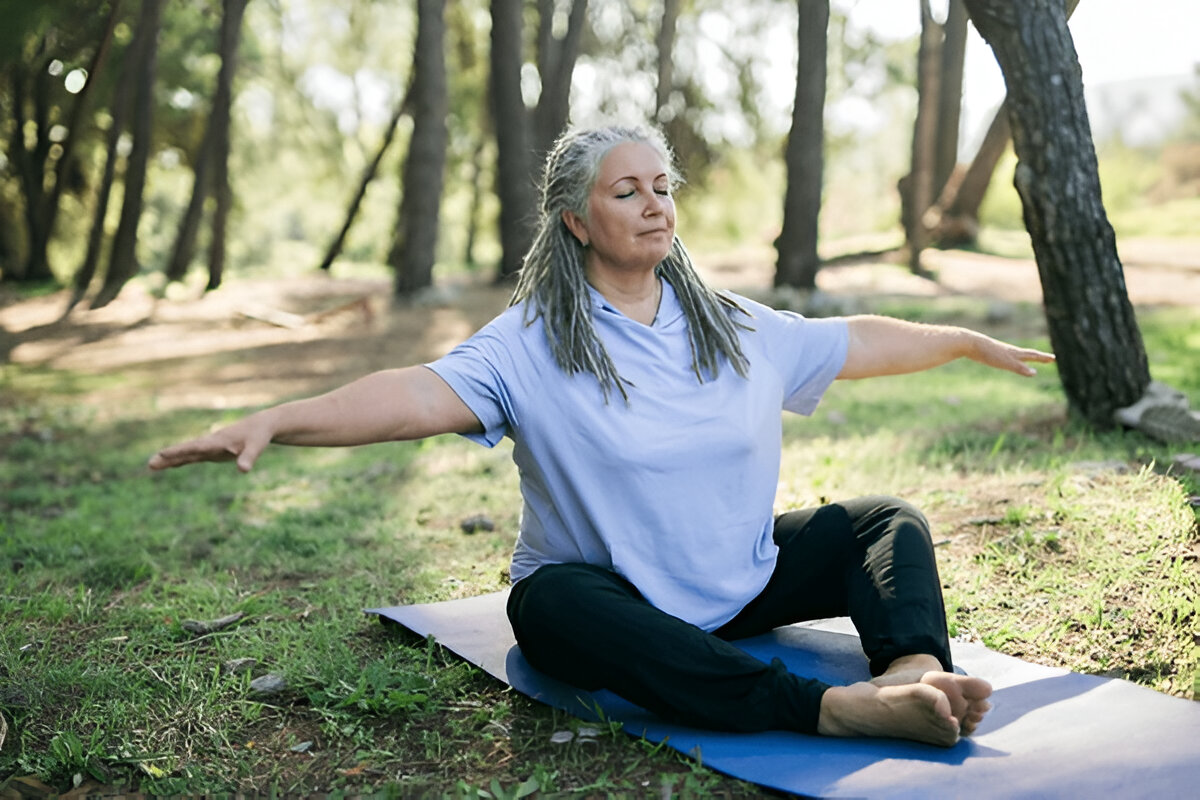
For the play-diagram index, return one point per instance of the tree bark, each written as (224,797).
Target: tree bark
(665,44)
(120,111)
(231,31)
(414,249)
(31,165)
(514,157)
(957,209)
(1101,358)
(796,246)
(39,262)
(949,111)
(916,190)
(475,182)
(212,156)
(372,169)
(123,263)
(556,64)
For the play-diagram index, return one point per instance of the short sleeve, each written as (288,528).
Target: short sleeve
(807,353)
(479,371)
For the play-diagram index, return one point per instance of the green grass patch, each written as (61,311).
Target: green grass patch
(1056,543)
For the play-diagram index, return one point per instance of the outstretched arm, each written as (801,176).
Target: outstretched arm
(889,346)
(398,404)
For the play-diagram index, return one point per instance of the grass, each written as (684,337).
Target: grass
(1057,544)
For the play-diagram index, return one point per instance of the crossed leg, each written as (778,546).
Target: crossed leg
(870,558)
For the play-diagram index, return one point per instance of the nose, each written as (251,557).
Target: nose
(655,205)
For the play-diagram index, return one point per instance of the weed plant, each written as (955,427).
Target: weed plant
(1056,544)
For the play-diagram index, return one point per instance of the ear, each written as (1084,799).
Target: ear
(576,226)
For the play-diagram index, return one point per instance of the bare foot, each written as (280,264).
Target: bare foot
(916,711)
(967,695)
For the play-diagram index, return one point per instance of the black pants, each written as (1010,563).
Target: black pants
(870,558)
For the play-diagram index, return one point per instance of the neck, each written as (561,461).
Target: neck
(635,295)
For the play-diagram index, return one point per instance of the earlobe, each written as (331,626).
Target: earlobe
(576,226)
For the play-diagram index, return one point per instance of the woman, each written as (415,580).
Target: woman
(644,409)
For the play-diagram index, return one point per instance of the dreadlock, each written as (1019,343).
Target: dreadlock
(554,286)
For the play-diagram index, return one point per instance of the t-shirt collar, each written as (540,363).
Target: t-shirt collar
(669,308)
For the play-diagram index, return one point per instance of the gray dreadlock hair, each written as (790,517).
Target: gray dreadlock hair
(554,286)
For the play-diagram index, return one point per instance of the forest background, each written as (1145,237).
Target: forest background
(1064,542)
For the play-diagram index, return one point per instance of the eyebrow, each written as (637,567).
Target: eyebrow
(635,178)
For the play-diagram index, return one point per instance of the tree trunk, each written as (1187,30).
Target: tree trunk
(189,224)
(39,262)
(665,44)
(231,31)
(1093,330)
(123,263)
(209,158)
(957,209)
(335,247)
(954,50)
(476,184)
(556,64)
(415,246)
(514,156)
(798,261)
(31,165)
(916,191)
(120,111)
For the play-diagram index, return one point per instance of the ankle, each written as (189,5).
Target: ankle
(842,706)
(922,662)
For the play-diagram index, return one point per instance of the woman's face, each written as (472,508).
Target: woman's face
(630,220)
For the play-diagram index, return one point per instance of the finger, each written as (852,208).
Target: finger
(189,453)
(250,453)
(1039,357)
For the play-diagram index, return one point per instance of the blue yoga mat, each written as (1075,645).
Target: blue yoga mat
(1051,733)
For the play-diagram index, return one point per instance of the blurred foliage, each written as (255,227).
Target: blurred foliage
(318,80)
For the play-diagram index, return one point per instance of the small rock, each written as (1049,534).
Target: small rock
(303,747)
(1188,461)
(201,627)
(1000,311)
(479,522)
(268,684)
(1095,468)
(236,666)
(561,737)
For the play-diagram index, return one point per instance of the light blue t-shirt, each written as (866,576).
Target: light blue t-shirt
(674,490)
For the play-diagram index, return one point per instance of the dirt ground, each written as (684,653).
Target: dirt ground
(255,341)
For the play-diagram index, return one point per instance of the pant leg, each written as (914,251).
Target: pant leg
(870,558)
(589,627)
